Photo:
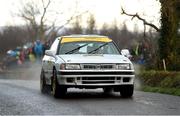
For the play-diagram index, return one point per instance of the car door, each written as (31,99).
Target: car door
(49,61)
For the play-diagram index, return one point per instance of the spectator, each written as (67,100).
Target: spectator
(38,49)
(141,61)
(46,46)
(31,56)
(22,55)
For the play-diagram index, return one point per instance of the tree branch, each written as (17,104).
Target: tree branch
(140,18)
(70,19)
(45,9)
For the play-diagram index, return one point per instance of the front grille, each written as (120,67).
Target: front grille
(98,66)
(126,79)
(97,82)
(98,78)
(107,67)
(96,73)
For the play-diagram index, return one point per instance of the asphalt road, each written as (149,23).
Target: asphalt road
(23,97)
(20,95)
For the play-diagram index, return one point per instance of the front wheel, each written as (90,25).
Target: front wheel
(127,90)
(57,90)
(43,85)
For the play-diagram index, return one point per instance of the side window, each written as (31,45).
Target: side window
(55,44)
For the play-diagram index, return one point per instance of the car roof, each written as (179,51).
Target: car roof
(84,36)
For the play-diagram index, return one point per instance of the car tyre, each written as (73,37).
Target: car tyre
(43,86)
(107,90)
(126,91)
(57,90)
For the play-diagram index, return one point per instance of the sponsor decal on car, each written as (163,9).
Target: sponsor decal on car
(66,40)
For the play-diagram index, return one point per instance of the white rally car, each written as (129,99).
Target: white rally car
(86,61)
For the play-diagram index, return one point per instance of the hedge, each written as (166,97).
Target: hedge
(162,79)
(172,91)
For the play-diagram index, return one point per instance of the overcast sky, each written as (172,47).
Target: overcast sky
(105,11)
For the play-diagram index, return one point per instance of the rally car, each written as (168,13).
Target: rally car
(86,61)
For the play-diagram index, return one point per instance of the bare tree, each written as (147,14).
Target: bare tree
(28,13)
(77,28)
(91,24)
(11,37)
(31,12)
(42,26)
(168,42)
(140,18)
(105,29)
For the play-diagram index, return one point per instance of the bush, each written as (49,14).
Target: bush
(171,82)
(160,79)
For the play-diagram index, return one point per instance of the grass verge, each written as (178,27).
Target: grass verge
(171,91)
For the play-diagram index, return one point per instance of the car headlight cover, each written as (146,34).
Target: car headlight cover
(72,67)
(123,66)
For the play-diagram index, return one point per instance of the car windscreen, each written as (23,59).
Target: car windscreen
(88,48)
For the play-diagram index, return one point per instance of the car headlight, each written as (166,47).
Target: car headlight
(124,66)
(72,67)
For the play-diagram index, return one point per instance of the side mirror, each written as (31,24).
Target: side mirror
(50,53)
(126,53)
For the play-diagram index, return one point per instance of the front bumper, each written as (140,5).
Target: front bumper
(98,78)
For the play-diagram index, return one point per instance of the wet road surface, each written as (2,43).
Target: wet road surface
(22,96)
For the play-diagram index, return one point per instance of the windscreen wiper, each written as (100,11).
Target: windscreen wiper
(73,50)
(97,48)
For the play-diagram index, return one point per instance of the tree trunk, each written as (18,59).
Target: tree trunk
(168,40)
